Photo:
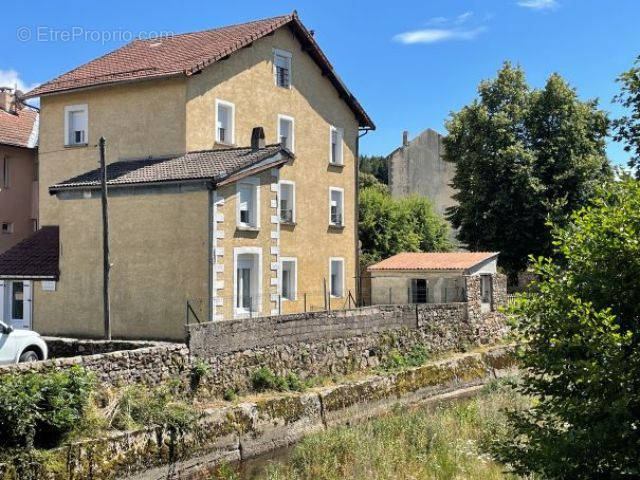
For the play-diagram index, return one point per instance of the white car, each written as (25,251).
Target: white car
(20,345)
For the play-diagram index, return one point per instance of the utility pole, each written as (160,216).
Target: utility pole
(105,244)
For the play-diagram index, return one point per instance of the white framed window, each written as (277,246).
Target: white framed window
(5,181)
(336,206)
(247,281)
(76,125)
(7,228)
(485,286)
(335,146)
(287,201)
(288,278)
(282,68)
(286,135)
(248,203)
(225,122)
(336,277)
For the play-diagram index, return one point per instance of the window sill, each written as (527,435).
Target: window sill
(335,226)
(217,143)
(287,223)
(336,165)
(76,145)
(247,228)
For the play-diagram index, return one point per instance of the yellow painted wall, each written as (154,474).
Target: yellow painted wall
(159,242)
(159,256)
(138,120)
(246,79)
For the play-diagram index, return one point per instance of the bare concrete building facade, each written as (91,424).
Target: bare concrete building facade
(417,167)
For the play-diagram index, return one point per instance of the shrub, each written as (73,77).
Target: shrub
(199,370)
(264,379)
(39,408)
(417,356)
(139,406)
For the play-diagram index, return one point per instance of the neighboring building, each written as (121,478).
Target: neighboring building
(417,167)
(433,277)
(199,208)
(18,170)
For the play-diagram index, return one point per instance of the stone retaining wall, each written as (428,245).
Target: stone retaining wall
(248,429)
(60,347)
(341,342)
(150,365)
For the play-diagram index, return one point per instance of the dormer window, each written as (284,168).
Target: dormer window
(225,112)
(282,68)
(76,125)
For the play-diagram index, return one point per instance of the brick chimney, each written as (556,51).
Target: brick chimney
(257,138)
(7,100)
(405,138)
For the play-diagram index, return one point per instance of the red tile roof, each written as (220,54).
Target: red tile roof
(35,257)
(189,53)
(433,261)
(19,129)
(218,165)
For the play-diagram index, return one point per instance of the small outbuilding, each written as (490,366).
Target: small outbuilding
(433,277)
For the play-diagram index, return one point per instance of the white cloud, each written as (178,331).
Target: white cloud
(433,35)
(460,19)
(462,27)
(10,78)
(539,4)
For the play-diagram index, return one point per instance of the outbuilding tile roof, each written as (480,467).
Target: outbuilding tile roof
(34,257)
(19,129)
(189,53)
(433,261)
(216,165)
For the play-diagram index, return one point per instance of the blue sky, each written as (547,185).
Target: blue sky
(410,63)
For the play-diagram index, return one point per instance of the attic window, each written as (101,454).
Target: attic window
(282,68)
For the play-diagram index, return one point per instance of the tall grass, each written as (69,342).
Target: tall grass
(444,442)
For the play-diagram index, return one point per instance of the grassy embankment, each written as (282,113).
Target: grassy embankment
(449,441)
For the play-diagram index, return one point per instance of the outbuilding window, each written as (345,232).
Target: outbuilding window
(485,285)
(418,290)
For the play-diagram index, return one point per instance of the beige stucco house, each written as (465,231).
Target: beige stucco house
(201,208)
(18,195)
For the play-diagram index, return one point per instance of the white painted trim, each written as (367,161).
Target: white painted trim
(255,181)
(224,103)
(340,131)
(293,197)
(240,251)
(295,277)
(341,190)
(337,259)
(75,108)
(282,116)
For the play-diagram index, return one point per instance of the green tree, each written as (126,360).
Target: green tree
(377,166)
(368,180)
(522,156)
(389,226)
(578,328)
(627,128)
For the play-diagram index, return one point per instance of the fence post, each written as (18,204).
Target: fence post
(325,293)
(305,302)
(279,304)
(390,302)
(250,307)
